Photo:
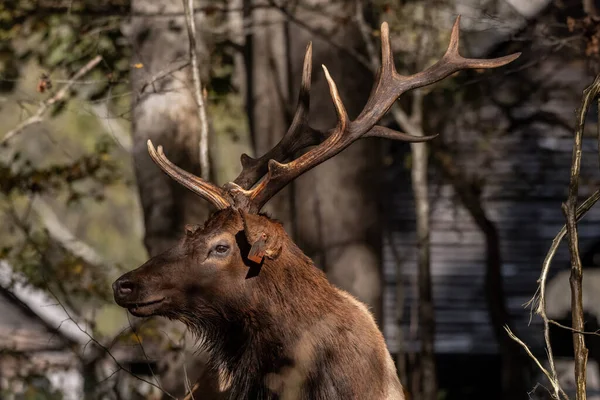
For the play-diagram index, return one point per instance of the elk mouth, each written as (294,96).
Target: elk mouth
(145,309)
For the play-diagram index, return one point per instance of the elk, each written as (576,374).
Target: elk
(272,324)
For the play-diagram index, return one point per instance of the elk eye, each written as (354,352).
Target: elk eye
(221,249)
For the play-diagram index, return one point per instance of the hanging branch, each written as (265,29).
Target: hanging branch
(188,6)
(46,104)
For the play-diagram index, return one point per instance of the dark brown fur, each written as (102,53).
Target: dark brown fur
(278,330)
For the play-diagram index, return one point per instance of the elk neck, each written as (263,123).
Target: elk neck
(291,306)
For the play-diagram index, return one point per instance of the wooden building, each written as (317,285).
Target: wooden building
(518,144)
(34,355)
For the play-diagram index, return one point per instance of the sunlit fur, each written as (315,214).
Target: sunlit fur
(285,333)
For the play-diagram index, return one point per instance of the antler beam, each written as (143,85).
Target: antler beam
(388,88)
(250,193)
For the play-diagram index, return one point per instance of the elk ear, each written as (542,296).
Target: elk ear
(190,229)
(263,239)
(258,249)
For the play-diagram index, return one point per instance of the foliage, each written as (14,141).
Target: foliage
(63,36)
(22,177)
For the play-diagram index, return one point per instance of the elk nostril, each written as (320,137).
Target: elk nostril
(125,287)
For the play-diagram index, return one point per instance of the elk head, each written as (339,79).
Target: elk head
(206,270)
(209,269)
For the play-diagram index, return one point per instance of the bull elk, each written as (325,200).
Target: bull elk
(273,325)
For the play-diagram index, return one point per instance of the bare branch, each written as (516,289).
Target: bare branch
(551,377)
(188,6)
(65,237)
(540,297)
(291,17)
(365,32)
(572,216)
(570,210)
(141,346)
(162,74)
(108,352)
(45,105)
(595,333)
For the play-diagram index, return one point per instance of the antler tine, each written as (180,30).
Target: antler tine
(375,131)
(206,190)
(298,136)
(460,62)
(343,119)
(450,63)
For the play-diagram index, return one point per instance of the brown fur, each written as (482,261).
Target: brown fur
(278,330)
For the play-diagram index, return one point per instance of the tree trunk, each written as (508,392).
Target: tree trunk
(336,204)
(427,389)
(164,110)
(268,93)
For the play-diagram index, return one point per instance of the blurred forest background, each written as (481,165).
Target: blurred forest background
(444,241)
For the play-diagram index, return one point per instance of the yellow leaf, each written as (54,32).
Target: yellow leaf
(138,65)
(77,269)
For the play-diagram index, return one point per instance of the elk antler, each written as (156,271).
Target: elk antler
(202,188)
(245,193)
(388,87)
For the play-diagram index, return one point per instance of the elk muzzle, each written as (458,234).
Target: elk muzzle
(127,294)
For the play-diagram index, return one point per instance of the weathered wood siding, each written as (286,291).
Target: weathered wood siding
(22,331)
(526,178)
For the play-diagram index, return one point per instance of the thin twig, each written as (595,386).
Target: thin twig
(321,35)
(185,374)
(138,339)
(553,380)
(191,28)
(162,74)
(104,348)
(107,351)
(365,32)
(595,333)
(45,105)
(26,230)
(116,130)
